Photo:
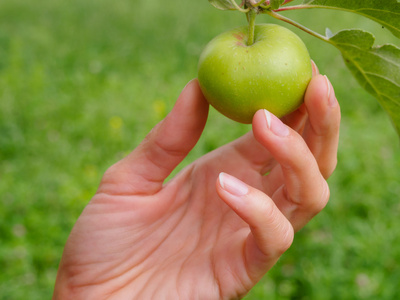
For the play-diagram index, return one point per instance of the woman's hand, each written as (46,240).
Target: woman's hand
(217,227)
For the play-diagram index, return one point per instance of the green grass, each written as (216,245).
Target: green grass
(83,81)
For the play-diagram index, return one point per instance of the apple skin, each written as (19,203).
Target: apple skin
(273,73)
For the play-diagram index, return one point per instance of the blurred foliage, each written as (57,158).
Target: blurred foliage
(83,81)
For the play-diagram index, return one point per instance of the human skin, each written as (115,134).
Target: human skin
(202,235)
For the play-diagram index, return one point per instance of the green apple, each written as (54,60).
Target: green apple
(272,73)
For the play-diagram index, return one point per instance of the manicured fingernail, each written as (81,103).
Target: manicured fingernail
(331,93)
(232,185)
(276,125)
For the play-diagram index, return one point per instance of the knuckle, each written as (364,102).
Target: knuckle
(279,224)
(286,238)
(323,199)
(327,170)
(111,173)
(326,127)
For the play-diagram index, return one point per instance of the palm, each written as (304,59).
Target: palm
(185,221)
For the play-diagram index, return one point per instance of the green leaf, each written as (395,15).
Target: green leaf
(377,69)
(222,4)
(275,4)
(385,12)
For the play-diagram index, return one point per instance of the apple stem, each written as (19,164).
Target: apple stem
(251,17)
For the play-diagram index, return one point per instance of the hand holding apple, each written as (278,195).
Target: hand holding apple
(202,234)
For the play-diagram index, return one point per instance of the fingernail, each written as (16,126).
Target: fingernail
(276,125)
(331,93)
(315,70)
(232,185)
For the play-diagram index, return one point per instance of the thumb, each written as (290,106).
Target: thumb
(145,169)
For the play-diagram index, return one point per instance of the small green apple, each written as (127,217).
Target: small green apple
(272,73)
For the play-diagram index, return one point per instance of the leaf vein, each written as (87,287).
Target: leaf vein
(367,79)
(370,52)
(383,77)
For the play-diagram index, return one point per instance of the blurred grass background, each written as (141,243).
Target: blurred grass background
(83,81)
